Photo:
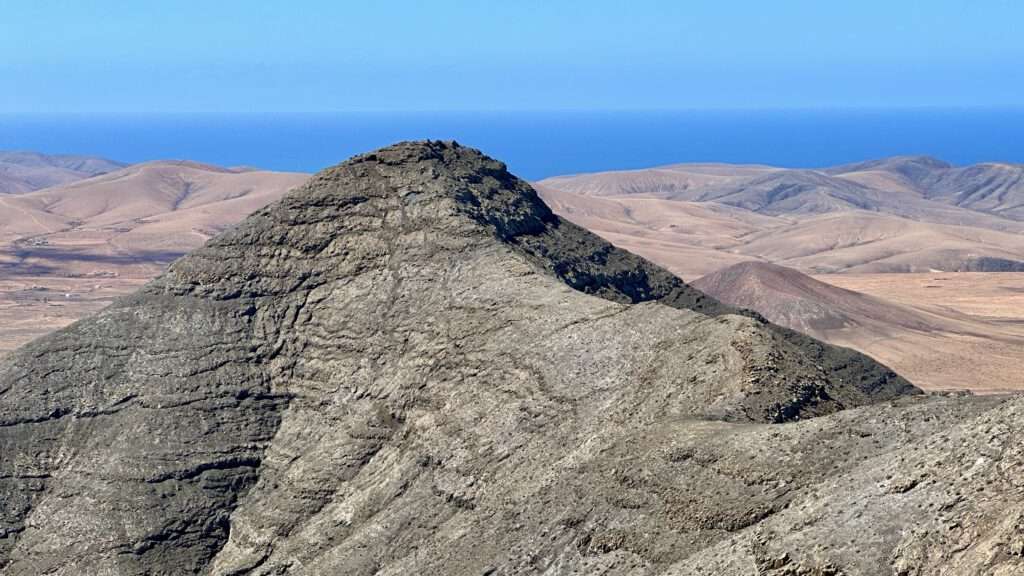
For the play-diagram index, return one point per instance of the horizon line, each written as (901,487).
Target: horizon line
(553,110)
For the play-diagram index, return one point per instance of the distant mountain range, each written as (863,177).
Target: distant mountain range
(996,188)
(66,250)
(27,171)
(903,214)
(143,214)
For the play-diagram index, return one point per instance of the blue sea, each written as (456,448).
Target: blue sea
(537,144)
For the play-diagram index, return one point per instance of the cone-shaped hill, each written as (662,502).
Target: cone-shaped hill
(409,365)
(791,298)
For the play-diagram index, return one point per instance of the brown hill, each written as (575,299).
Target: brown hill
(68,250)
(792,192)
(145,209)
(689,238)
(27,171)
(675,181)
(872,242)
(697,238)
(914,170)
(937,347)
(997,188)
(905,214)
(787,297)
(993,187)
(158,206)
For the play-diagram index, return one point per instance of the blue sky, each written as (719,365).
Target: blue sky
(81,56)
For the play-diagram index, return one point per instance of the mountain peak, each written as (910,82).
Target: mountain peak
(481,187)
(410,340)
(410,151)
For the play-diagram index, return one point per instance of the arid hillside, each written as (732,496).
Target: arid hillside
(896,215)
(27,171)
(68,250)
(956,331)
(882,229)
(993,187)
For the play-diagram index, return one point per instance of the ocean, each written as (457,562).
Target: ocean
(537,144)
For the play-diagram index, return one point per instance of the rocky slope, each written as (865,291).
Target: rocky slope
(411,365)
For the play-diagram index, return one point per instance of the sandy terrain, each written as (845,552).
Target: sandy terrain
(696,238)
(951,331)
(892,215)
(69,250)
(985,355)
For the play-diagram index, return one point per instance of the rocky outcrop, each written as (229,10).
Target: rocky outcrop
(410,365)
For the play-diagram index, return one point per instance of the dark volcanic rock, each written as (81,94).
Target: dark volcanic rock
(411,366)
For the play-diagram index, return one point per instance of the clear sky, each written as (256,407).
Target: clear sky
(77,56)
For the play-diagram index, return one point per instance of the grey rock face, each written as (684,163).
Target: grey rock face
(411,366)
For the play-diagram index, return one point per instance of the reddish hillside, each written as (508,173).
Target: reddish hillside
(791,298)
(936,347)
(68,250)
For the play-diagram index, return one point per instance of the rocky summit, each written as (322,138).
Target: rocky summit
(410,365)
